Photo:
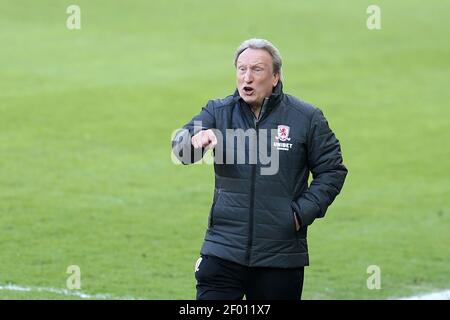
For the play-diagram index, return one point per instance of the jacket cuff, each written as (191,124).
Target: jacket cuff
(306,210)
(296,210)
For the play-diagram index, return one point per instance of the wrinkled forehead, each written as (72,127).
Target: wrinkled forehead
(254,56)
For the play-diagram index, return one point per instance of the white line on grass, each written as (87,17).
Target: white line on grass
(64,292)
(440,295)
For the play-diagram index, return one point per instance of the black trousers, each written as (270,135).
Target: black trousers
(219,279)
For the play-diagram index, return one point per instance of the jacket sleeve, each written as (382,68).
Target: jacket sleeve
(326,165)
(181,143)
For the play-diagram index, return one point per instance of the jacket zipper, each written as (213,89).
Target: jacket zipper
(211,222)
(252,204)
(252,189)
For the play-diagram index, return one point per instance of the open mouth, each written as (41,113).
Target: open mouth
(248,90)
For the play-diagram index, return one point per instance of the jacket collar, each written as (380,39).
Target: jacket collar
(274,98)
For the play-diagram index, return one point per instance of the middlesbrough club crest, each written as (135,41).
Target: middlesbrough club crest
(283,133)
(283,137)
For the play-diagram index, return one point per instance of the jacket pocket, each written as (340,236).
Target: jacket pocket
(293,221)
(211,213)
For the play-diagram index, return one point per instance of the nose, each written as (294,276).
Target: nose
(248,77)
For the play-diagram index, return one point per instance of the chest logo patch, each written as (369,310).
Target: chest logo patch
(283,138)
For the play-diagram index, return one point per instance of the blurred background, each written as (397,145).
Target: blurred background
(86,118)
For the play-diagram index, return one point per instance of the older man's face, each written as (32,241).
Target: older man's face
(254,75)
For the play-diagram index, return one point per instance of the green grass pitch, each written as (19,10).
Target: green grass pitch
(86,118)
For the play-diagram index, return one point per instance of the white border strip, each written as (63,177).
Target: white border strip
(64,292)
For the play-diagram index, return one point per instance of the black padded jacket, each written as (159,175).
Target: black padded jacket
(251,221)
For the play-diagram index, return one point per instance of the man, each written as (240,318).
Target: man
(255,244)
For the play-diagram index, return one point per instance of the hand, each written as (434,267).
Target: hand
(297,224)
(204,139)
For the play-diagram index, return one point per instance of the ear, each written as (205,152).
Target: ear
(276,78)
